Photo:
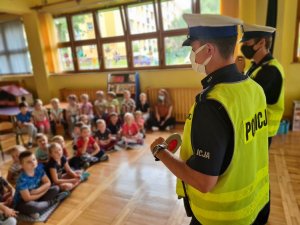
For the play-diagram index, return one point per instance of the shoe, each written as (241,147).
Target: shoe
(62,195)
(86,165)
(29,145)
(35,215)
(154,128)
(168,128)
(118,148)
(84,176)
(104,158)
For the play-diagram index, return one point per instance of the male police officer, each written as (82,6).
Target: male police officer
(223,167)
(265,70)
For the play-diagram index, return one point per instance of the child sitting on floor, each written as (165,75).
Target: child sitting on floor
(112,100)
(130,131)
(41,152)
(103,136)
(88,151)
(59,171)
(7,215)
(138,117)
(6,192)
(114,125)
(34,193)
(15,168)
(57,117)
(72,112)
(61,141)
(100,105)
(40,117)
(76,135)
(86,108)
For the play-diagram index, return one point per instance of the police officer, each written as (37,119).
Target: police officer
(265,70)
(223,166)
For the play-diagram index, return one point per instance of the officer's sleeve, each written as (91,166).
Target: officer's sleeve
(212,139)
(270,79)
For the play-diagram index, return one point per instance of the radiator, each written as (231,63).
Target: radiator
(182,99)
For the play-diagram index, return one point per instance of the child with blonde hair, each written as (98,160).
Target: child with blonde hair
(59,171)
(103,136)
(86,108)
(15,168)
(112,100)
(130,131)
(100,105)
(72,112)
(40,117)
(56,116)
(61,141)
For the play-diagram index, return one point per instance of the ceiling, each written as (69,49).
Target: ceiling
(67,6)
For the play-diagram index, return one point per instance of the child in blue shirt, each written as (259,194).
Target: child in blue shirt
(25,123)
(34,192)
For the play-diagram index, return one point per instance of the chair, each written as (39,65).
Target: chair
(7,131)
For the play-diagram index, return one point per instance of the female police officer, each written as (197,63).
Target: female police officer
(223,167)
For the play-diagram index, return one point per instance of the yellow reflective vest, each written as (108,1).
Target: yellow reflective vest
(274,111)
(243,189)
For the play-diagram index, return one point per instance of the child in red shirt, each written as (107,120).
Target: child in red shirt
(130,131)
(88,149)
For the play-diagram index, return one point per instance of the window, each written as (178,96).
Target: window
(87,56)
(115,55)
(145,53)
(175,54)
(66,59)
(148,34)
(210,6)
(172,18)
(14,54)
(62,32)
(83,27)
(105,20)
(140,19)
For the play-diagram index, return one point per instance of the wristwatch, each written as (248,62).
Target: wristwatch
(157,149)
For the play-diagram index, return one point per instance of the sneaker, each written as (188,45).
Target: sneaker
(62,195)
(29,145)
(168,128)
(35,215)
(154,128)
(84,176)
(118,148)
(104,158)
(86,165)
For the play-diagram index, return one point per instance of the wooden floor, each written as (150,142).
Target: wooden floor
(132,189)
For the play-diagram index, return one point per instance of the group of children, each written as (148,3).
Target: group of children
(109,121)
(47,176)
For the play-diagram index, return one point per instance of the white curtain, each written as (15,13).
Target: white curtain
(14,54)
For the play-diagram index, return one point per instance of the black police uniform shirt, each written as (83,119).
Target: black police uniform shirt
(212,131)
(269,78)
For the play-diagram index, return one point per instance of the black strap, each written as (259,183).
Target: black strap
(184,189)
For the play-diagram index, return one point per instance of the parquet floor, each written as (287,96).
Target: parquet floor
(132,189)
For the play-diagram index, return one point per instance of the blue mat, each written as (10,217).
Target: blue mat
(43,217)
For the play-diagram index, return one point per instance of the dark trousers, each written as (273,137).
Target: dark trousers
(53,126)
(153,122)
(78,162)
(39,205)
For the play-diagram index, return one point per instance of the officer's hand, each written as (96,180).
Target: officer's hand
(157,141)
(240,63)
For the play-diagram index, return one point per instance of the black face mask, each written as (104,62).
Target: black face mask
(248,51)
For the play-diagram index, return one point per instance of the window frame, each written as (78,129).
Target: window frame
(127,38)
(297,36)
